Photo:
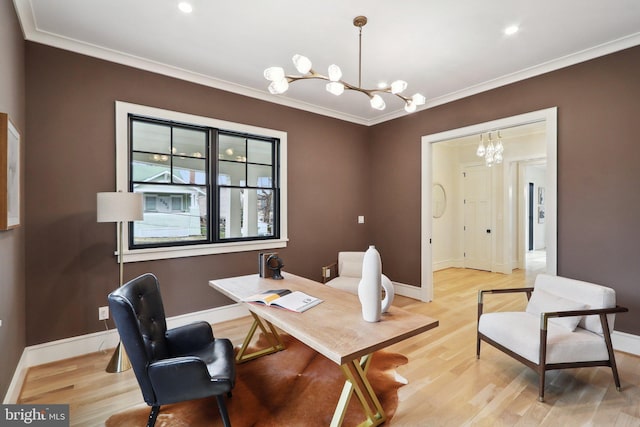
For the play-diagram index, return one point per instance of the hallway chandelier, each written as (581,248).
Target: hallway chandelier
(280,82)
(492,153)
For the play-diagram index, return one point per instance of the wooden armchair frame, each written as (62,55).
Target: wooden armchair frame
(542,367)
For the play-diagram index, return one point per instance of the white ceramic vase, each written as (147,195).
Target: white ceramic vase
(370,286)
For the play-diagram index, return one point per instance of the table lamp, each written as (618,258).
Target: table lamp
(119,207)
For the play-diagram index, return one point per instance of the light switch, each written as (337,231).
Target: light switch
(361,219)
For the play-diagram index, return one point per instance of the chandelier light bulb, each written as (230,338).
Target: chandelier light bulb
(410,106)
(335,73)
(279,86)
(419,99)
(398,86)
(274,73)
(480,151)
(302,63)
(335,88)
(377,102)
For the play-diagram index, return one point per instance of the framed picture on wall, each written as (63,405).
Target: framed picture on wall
(541,195)
(9,174)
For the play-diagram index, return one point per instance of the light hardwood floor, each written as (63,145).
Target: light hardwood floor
(447,385)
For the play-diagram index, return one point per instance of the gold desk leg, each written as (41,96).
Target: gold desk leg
(274,338)
(355,373)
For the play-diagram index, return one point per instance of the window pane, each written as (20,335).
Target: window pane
(232,173)
(246,213)
(260,152)
(176,203)
(189,142)
(259,176)
(232,148)
(171,215)
(189,171)
(151,137)
(151,167)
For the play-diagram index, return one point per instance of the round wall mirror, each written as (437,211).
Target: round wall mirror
(439,202)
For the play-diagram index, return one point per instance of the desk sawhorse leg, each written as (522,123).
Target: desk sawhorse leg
(356,380)
(274,339)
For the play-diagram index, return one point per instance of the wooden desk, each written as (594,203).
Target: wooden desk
(334,328)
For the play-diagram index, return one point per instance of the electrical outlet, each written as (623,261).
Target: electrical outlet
(103,313)
(360,219)
(327,273)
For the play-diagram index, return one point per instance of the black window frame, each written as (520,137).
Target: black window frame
(211,185)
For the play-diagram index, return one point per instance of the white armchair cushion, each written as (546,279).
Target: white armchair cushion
(563,346)
(351,269)
(595,296)
(544,302)
(345,283)
(350,264)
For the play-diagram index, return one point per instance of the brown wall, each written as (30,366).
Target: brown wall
(12,280)
(337,171)
(70,266)
(598,171)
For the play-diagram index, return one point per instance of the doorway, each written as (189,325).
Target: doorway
(502,222)
(477,218)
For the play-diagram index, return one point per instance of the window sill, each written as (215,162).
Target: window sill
(189,251)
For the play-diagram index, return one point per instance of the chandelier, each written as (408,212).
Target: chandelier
(492,153)
(280,82)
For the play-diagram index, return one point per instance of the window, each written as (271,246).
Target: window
(209,186)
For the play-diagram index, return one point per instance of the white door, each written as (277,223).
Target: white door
(478,234)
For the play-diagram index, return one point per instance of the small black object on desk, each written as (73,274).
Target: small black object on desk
(275,264)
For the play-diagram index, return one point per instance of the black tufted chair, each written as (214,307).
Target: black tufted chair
(174,365)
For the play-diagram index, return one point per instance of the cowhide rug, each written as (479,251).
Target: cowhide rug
(294,387)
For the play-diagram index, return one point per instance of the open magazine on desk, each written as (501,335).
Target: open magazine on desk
(284,298)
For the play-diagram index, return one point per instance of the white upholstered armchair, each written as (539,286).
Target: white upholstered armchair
(346,273)
(566,324)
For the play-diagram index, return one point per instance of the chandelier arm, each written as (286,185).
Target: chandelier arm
(348,86)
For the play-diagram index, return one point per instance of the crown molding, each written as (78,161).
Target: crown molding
(32,33)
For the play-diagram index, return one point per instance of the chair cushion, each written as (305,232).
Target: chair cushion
(350,264)
(520,332)
(351,269)
(544,302)
(595,296)
(345,283)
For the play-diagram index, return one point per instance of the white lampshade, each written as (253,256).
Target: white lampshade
(398,86)
(278,86)
(419,99)
(335,73)
(335,88)
(120,206)
(377,102)
(302,63)
(274,73)
(410,106)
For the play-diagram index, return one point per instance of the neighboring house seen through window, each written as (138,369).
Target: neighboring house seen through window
(209,186)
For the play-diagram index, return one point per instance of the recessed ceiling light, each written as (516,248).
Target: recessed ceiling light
(185,7)
(510,30)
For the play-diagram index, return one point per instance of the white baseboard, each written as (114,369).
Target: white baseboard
(625,342)
(407,290)
(77,346)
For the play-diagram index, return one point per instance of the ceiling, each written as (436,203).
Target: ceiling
(445,50)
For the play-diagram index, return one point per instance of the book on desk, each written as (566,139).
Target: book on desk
(284,298)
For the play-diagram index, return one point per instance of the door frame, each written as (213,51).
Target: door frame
(550,117)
